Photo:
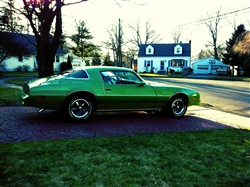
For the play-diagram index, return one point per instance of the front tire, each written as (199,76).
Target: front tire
(176,107)
(79,107)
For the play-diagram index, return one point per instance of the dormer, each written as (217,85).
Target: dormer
(178,50)
(149,50)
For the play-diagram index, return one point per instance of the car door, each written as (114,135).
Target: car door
(125,90)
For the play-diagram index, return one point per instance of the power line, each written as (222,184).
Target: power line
(206,19)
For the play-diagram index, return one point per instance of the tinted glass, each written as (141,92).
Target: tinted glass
(78,74)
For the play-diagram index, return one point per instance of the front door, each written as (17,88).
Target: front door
(124,90)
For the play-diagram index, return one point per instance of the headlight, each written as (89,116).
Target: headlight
(26,89)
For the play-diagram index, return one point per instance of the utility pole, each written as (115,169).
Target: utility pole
(119,45)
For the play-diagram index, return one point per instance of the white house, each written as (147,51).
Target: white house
(80,61)
(161,58)
(15,62)
(76,60)
(208,66)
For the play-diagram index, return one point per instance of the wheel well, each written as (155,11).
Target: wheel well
(182,95)
(92,96)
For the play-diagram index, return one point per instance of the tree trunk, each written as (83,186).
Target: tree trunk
(46,43)
(45,57)
(44,69)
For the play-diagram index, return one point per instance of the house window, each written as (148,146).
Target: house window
(177,63)
(149,50)
(202,67)
(178,49)
(20,58)
(57,58)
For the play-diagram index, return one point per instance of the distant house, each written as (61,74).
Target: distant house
(76,61)
(208,66)
(161,58)
(14,62)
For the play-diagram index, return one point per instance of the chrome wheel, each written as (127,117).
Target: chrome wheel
(178,107)
(79,108)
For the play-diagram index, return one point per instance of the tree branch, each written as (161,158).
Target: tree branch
(72,3)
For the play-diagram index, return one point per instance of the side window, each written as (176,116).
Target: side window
(109,77)
(119,77)
(127,77)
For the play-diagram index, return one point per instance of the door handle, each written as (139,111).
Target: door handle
(108,89)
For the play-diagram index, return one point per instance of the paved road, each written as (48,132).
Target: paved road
(233,96)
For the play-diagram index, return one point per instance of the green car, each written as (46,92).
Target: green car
(79,93)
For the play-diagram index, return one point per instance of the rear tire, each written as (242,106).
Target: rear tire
(78,107)
(176,107)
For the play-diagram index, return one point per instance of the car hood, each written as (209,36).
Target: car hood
(168,89)
(161,85)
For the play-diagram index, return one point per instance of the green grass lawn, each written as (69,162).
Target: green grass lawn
(212,158)
(9,96)
(19,74)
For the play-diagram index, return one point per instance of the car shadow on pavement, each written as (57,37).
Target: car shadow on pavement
(26,124)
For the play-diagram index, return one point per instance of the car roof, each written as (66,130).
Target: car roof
(103,68)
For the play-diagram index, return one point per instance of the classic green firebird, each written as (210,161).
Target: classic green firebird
(80,92)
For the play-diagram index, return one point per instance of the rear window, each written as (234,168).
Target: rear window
(76,74)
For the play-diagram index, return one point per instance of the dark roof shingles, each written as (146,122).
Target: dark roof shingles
(164,50)
(28,41)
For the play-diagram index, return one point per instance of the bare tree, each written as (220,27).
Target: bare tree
(10,21)
(136,37)
(115,42)
(130,56)
(44,17)
(203,54)
(232,22)
(150,35)
(176,34)
(212,23)
(111,43)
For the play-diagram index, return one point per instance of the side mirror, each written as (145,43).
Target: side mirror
(142,83)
